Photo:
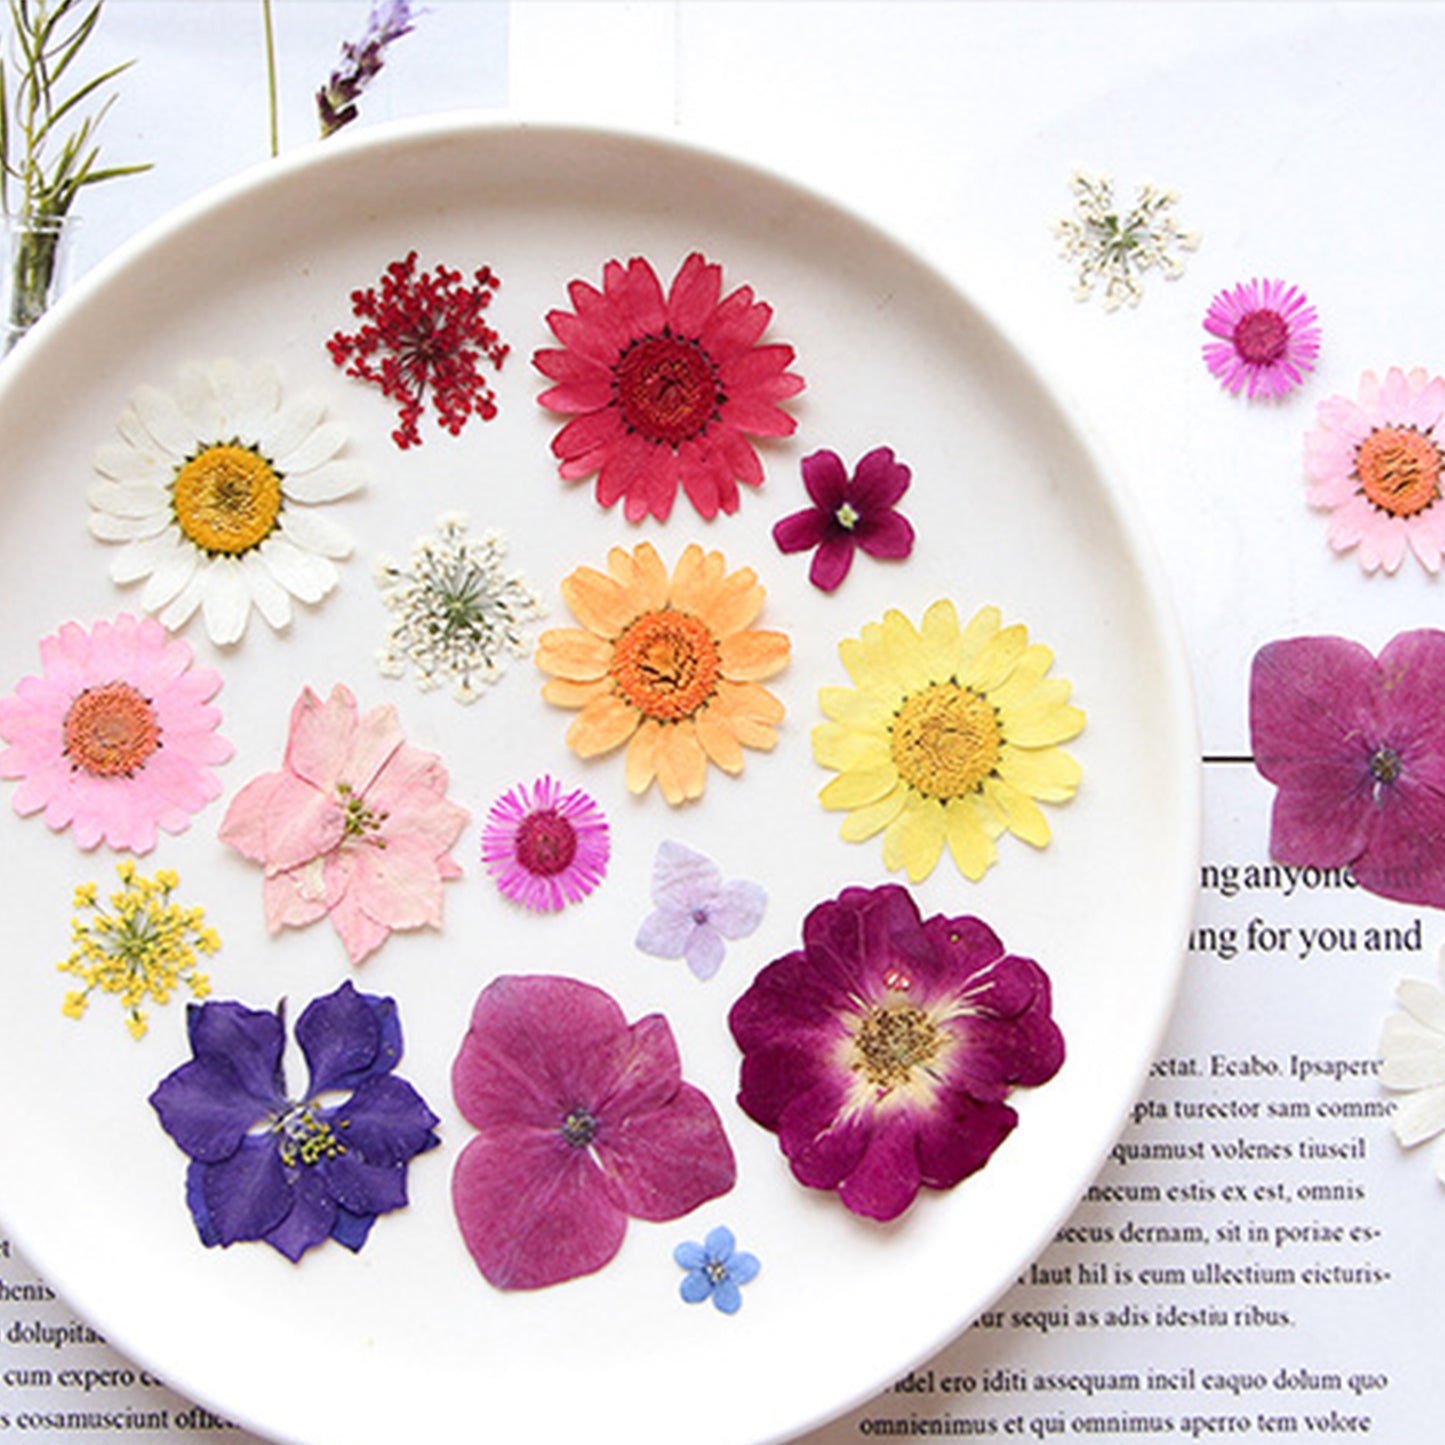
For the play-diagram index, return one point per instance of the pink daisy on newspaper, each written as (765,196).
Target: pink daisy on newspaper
(665,388)
(1375,465)
(1269,337)
(116,738)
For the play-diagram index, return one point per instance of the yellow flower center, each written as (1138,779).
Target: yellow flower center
(945,740)
(1399,470)
(666,664)
(227,499)
(110,731)
(893,1040)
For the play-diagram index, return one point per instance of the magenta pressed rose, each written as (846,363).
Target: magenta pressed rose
(1356,746)
(583,1121)
(882,1051)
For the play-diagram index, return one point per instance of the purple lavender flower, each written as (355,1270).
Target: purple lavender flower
(360,63)
(294,1172)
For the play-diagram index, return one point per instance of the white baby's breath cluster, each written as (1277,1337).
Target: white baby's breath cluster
(458,614)
(1115,247)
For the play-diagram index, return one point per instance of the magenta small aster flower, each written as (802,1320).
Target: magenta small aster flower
(848,513)
(881,1052)
(545,847)
(1269,338)
(583,1122)
(1376,465)
(1356,746)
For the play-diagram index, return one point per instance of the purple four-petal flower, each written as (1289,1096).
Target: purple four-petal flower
(294,1172)
(848,513)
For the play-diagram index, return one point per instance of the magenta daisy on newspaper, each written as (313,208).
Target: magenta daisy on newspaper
(1375,463)
(116,738)
(1269,337)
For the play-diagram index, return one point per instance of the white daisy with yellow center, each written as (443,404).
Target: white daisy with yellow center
(212,493)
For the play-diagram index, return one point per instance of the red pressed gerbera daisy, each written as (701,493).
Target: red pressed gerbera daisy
(665,388)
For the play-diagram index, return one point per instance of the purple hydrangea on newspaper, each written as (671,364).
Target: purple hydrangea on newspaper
(294,1172)
(1355,744)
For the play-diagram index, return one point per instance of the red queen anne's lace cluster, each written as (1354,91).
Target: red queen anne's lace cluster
(424,335)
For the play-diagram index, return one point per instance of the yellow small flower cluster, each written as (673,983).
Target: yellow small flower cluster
(142,946)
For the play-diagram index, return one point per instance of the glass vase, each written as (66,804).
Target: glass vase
(37,258)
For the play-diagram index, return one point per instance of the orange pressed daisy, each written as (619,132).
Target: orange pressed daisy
(670,666)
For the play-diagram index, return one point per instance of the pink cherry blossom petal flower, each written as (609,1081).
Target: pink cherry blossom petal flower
(356,824)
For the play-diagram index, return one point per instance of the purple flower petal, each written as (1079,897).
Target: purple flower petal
(887,537)
(681,878)
(738,908)
(879,482)
(309,1221)
(802,531)
(666,933)
(704,952)
(202,1106)
(248,1194)
(341,1038)
(386,1121)
(832,561)
(826,480)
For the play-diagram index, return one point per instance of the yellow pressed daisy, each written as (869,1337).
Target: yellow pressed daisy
(949,736)
(671,666)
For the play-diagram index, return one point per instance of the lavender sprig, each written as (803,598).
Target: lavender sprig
(360,63)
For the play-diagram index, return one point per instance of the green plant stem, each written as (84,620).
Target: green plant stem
(271,78)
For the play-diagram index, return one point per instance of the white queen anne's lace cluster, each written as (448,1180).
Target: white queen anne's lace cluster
(457,613)
(1115,247)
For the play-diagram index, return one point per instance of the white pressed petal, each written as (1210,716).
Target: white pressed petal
(1425,1002)
(110,528)
(271,598)
(195,397)
(291,422)
(129,499)
(302,574)
(164,420)
(251,395)
(140,558)
(314,533)
(175,564)
(123,462)
(1412,1055)
(1419,1116)
(227,601)
(180,611)
(314,451)
(324,484)
(133,433)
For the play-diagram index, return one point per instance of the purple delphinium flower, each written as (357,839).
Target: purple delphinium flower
(294,1172)
(696,911)
(882,1051)
(545,847)
(336,100)
(848,513)
(716,1269)
(1356,746)
(583,1121)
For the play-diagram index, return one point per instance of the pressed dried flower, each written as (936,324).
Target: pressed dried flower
(137,944)
(669,665)
(695,912)
(1412,1065)
(665,389)
(546,847)
(716,1270)
(117,738)
(361,63)
(881,1053)
(458,614)
(949,736)
(1108,244)
(1269,338)
(424,338)
(1376,465)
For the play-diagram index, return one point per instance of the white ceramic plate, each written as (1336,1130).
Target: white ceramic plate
(406,1340)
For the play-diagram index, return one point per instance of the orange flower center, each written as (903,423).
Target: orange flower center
(227,499)
(945,740)
(667,388)
(110,731)
(666,664)
(1399,470)
(891,1041)
(1260,337)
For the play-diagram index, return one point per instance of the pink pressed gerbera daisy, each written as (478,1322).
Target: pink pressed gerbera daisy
(1269,337)
(545,847)
(1376,465)
(665,388)
(115,739)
